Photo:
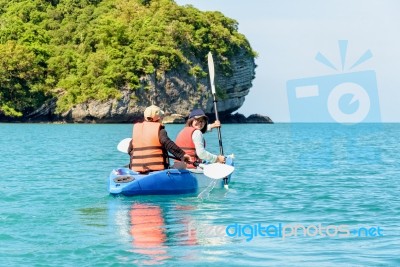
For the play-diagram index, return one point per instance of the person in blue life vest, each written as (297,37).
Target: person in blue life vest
(191,139)
(150,144)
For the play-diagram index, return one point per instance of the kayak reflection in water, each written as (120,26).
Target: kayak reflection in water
(147,228)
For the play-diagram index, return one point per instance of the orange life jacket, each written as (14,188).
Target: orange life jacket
(147,153)
(184,140)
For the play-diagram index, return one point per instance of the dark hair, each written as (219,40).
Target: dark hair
(190,121)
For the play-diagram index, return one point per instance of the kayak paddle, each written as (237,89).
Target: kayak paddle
(213,170)
(217,170)
(212,74)
(123,145)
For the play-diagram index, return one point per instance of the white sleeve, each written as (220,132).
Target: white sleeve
(201,152)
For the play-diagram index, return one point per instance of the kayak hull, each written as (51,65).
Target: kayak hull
(166,182)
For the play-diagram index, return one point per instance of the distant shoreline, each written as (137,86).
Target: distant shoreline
(236,118)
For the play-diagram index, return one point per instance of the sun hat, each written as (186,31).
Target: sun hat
(197,113)
(153,113)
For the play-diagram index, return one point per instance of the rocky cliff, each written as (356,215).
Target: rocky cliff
(176,92)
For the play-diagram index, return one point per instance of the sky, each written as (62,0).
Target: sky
(328,61)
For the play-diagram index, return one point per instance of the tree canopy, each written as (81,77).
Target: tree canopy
(77,50)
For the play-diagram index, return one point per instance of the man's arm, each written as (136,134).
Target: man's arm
(130,147)
(170,145)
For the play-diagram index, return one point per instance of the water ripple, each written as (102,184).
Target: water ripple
(56,210)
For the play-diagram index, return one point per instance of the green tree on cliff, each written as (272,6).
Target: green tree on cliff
(77,50)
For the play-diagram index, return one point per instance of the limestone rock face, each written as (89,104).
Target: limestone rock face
(240,118)
(257,118)
(175,92)
(174,119)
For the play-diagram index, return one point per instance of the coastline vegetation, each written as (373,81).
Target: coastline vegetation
(77,50)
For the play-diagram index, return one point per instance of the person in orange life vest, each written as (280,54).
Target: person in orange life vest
(150,144)
(191,139)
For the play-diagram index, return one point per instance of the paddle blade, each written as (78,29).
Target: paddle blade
(211,71)
(217,170)
(124,145)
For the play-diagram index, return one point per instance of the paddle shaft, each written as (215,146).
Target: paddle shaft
(190,162)
(212,75)
(221,148)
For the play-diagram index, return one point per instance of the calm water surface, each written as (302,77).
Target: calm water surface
(55,209)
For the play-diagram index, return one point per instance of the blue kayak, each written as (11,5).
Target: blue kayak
(166,182)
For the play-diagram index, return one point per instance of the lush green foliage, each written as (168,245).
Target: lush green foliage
(89,49)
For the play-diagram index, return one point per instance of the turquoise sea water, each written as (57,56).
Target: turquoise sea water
(56,211)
